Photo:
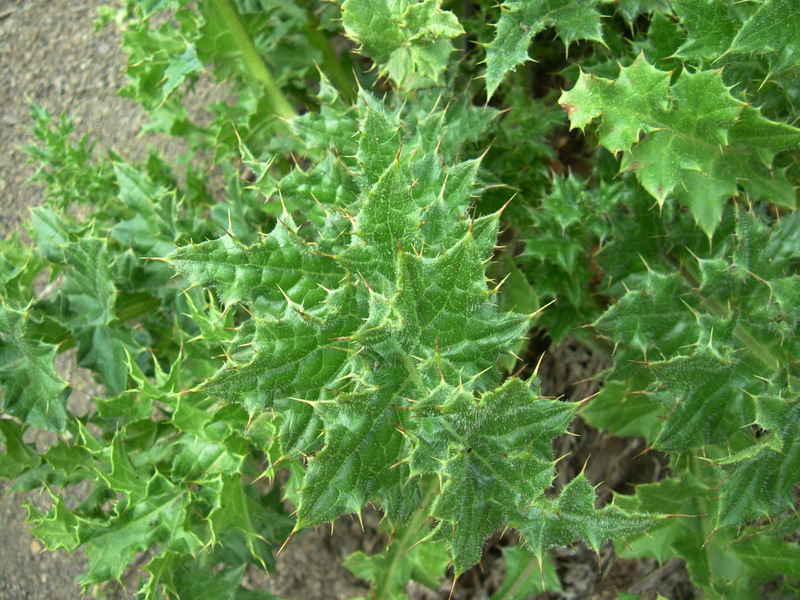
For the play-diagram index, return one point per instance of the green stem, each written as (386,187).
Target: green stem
(703,511)
(522,579)
(406,539)
(226,9)
(332,65)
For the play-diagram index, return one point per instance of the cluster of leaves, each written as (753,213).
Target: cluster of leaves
(344,315)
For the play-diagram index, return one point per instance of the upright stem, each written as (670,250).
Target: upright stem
(405,540)
(226,9)
(333,67)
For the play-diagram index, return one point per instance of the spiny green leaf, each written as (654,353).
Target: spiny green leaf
(444,305)
(294,354)
(708,391)
(520,20)
(361,443)
(379,138)
(68,168)
(565,230)
(723,564)
(774,27)
(722,365)
(334,125)
(650,316)
(408,39)
(693,133)
(682,536)
(498,460)
(32,390)
(762,482)
(137,190)
(18,456)
(573,515)
(631,9)
(103,349)
(374,383)
(283,263)
(712,25)
(389,219)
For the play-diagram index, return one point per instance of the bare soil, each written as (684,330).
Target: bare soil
(50,54)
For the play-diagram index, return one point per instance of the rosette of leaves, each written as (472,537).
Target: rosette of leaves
(374,339)
(709,355)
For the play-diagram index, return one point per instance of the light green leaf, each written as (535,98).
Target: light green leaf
(405,558)
(408,39)
(158,518)
(235,510)
(18,456)
(59,528)
(774,27)
(691,137)
(32,390)
(769,554)
(624,411)
(184,577)
(158,54)
(573,515)
(712,25)
(180,69)
(150,7)
(520,20)
(523,575)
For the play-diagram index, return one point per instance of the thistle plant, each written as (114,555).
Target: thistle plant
(409,194)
